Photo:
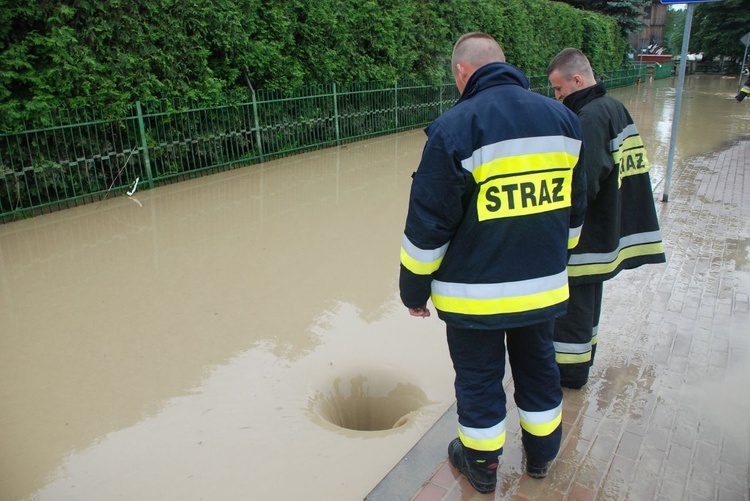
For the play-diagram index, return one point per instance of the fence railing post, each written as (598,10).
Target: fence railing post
(144,145)
(256,122)
(336,114)
(395,102)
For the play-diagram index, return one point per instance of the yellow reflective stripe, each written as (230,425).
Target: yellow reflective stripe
(521,164)
(629,131)
(573,358)
(574,235)
(541,423)
(633,240)
(616,143)
(499,305)
(483,439)
(515,156)
(421,261)
(418,267)
(497,298)
(572,353)
(580,270)
(502,197)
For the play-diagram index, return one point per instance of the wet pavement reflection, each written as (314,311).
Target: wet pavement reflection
(208,339)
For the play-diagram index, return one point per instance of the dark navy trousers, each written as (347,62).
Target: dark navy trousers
(576,333)
(479,362)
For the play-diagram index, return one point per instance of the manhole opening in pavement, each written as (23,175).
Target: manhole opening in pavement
(369,402)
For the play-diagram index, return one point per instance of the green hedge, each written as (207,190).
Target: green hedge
(87,157)
(107,55)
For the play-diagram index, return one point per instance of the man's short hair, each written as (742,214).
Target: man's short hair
(477,49)
(571,62)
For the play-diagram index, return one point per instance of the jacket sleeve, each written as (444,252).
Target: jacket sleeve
(435,211)
(578,199)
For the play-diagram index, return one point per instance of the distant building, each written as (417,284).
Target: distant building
(655,16)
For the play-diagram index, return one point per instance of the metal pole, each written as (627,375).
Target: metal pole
(678,100)
(256,123)
(144,145)
(395,103)
(336,114)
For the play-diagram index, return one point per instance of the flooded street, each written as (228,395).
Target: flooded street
(709,117)
(240,336)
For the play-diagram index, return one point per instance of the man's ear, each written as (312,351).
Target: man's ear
(461,71)
(578,79)
(462,76)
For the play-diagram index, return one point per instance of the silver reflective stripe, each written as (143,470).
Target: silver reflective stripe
(526,146)
(423,255)
(540,417)
(574,233)
(490,433)
(630,130)
(628,241)
(572,347)
(507,289)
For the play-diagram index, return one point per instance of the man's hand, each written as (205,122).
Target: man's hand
(420,311)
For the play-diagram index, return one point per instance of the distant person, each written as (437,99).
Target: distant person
(745,90)
(495,202)
(621,230)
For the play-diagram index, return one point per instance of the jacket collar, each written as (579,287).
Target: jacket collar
(581,98)
(491,75)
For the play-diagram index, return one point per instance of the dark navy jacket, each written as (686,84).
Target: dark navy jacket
(496,202)
(621,229)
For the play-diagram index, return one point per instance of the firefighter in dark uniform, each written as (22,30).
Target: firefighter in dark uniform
(745,89)
(496,202)
(621,230)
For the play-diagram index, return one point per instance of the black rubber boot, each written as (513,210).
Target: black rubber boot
(540,452)
(573,384)
(574,376)
(481,475)
(538,470)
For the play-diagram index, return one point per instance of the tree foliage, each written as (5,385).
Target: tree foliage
(718,27)
(674,28)
(107,55)
(627,13)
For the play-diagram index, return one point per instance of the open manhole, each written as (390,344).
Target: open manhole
(372,402)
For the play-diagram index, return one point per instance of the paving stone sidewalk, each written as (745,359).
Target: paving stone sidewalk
(666,414)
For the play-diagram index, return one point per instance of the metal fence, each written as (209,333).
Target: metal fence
(85,158)
(664,70)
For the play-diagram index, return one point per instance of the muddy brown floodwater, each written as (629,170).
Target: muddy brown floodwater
(240,336)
